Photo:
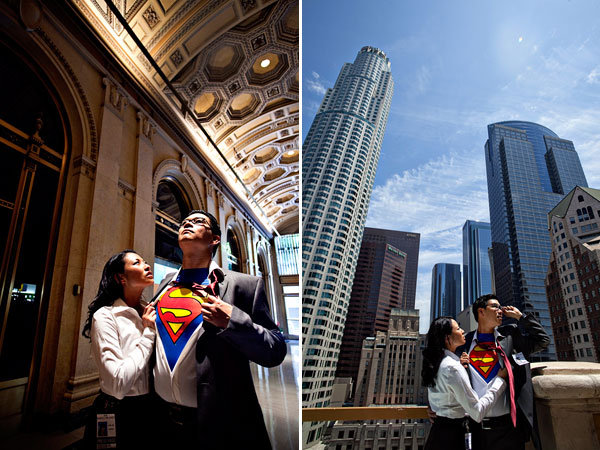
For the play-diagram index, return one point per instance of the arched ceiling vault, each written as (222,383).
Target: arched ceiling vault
(236,63)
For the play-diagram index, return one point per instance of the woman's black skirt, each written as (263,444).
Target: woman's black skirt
(449,434)
(133,419)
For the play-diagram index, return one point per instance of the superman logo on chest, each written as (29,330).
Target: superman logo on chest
(484,361)
(179,314)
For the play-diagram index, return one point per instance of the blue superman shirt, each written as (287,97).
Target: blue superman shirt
(179,313)
(485,361)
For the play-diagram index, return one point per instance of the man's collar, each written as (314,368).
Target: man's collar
(496,335)
(213,267)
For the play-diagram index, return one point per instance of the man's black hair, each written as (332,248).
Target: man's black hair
(481,302)
(214,225)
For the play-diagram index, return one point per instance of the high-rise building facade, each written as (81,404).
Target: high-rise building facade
(445,290)
(390,374)
(340,156)
(390,363)
(408,243)
(573,279)
(477,274)
(378,287)
(529,170)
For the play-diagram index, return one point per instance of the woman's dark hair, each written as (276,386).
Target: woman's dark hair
(435,345)
(109,290)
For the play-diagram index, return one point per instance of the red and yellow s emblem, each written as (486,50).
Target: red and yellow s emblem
(484,361)
(177,308)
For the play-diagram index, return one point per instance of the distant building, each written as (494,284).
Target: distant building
(404,434)
(573,278)
(390,374)
(477,275)
(378,287)
(408,243)
(445,290)
(342,389)
(390,363)
(466,320)
(529,170)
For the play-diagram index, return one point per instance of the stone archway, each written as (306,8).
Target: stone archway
(235,256)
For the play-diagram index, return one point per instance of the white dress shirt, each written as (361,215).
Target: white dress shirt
(453,397)
(121,347)
(179,385)
(480,386)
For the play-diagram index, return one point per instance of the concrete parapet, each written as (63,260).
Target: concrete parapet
(567,399)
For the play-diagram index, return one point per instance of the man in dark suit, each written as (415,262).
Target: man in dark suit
(510,421)
(211,323)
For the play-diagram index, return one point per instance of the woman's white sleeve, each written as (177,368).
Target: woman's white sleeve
(477,408)
(118,371)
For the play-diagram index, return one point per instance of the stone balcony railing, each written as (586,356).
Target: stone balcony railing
(567,400)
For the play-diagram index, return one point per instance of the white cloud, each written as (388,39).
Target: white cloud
(315,85)
(593,77)
(434,200)
(423,79)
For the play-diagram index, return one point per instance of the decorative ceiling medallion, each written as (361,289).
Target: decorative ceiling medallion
(176,58)
(151,17)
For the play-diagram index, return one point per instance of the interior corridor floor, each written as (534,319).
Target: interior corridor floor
(277,389)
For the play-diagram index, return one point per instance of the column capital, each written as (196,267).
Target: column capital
(115,97)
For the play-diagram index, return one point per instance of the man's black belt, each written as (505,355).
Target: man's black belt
(490,423)
(179,414)
(449,421)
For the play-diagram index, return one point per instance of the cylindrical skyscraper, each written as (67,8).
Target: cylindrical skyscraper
(340,156)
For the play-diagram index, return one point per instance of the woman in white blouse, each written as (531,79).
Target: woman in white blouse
(450,393)
(122,343)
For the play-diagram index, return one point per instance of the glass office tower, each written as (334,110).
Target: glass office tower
(529,170)
(408,243)
(477,273)
(445,290)
(340,156)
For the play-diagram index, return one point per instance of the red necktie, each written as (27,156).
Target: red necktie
(511,380)
(208,288)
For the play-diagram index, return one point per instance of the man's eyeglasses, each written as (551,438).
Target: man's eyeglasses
(196,221)
(494,305)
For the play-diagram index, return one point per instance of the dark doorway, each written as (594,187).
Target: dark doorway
(33,152)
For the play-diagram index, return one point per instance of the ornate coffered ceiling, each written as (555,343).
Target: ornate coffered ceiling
(236,63)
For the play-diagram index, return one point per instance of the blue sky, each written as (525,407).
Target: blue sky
(458,66)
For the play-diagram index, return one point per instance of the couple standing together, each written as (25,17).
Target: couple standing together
(487,391)
(191,346)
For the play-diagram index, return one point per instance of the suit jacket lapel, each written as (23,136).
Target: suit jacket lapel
(166,280)
(223,286)
(506,343)
(468,340)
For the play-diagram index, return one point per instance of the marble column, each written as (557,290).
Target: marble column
(100,243)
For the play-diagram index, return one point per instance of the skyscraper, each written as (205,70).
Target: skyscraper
(445,290)
(375,292)
(390,374)
(477,275)
(341,152)
(529,170)
(390,363)
(573,279)
(408,243)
